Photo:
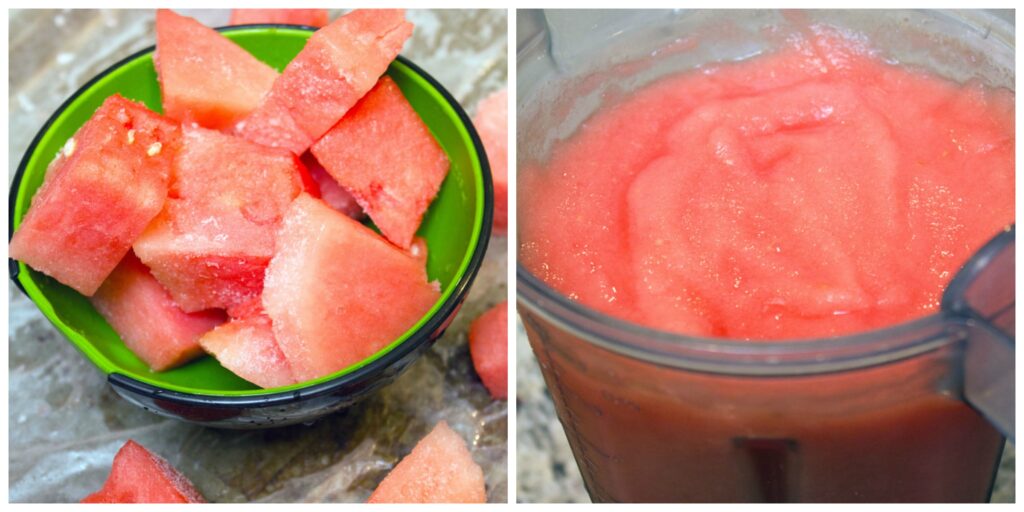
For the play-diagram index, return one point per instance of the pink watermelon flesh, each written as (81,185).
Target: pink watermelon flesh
(491,122)
(330,191)
(246,309)
(211,244)
(339,64)
(149,322)
(247,347)
(204,77)
(138,476)
(439,469)
(337,292)
(488,346)
(310,17)
(100,192)
(383,153)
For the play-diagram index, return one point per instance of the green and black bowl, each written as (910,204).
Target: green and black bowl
(456,227)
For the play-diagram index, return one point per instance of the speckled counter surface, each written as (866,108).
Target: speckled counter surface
(545,469)
(66,423)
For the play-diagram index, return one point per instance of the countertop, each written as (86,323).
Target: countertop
(65,423)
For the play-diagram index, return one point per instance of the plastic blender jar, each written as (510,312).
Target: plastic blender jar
(915,412)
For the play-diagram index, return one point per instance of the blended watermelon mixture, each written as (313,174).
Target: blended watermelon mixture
(817,190)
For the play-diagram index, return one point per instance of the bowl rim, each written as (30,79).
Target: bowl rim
(415,340)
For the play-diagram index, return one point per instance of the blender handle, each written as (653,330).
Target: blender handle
(981,299)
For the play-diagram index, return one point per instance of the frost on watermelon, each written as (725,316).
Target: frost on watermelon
(211,244)
(246,346)
(147,319)
(205,77)
(491,122)
(337,292)
(488,346)
(338,65)
(330,191)
(439,469)
(310,17)
(107,183)
(383,153)
(138,476)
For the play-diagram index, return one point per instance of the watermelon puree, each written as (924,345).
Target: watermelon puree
(810,192)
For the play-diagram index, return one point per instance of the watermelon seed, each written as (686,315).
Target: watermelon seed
(131,137)
(69,147)
(154,149)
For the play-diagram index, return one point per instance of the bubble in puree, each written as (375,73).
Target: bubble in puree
(814,191)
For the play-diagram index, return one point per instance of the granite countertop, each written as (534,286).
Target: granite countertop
(545,469)
(65,423)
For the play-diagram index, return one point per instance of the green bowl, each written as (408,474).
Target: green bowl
(456,228)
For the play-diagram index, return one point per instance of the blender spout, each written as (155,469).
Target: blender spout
(981,298)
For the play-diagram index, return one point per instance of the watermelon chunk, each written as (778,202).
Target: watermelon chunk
(488,346)
(205,77)
(149,322)
(337,292)
(211,244)
(491,122)
(439,469)
(247,347)
(338,65)
(138,476)
(330,191)
(310,17)
(100,192)
(383,153)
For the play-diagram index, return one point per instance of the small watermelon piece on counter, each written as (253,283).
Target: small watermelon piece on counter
(491,122)
(246,346)
(309,17)
(330,191)
(138,476)
(384,154)
(147,319)
(102,190)
(339,64)
(488,346)
(205,77)
(211,244)
(337,292)
(439,469)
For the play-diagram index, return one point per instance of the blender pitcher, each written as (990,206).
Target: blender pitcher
(916,412)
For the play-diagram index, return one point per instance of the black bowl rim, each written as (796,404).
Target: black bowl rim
(418,338)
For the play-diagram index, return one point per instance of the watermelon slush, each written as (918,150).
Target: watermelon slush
(810,192)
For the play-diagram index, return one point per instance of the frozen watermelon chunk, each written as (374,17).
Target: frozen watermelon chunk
(310,17)
(330,191)
(337,292)
(439,469)
(491,122)
(147,319)
(247,347)
(339,64)
(488,346)
(205,77)
(383,153)
(246,309)
(211,244)
(138,476)
(100,192)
